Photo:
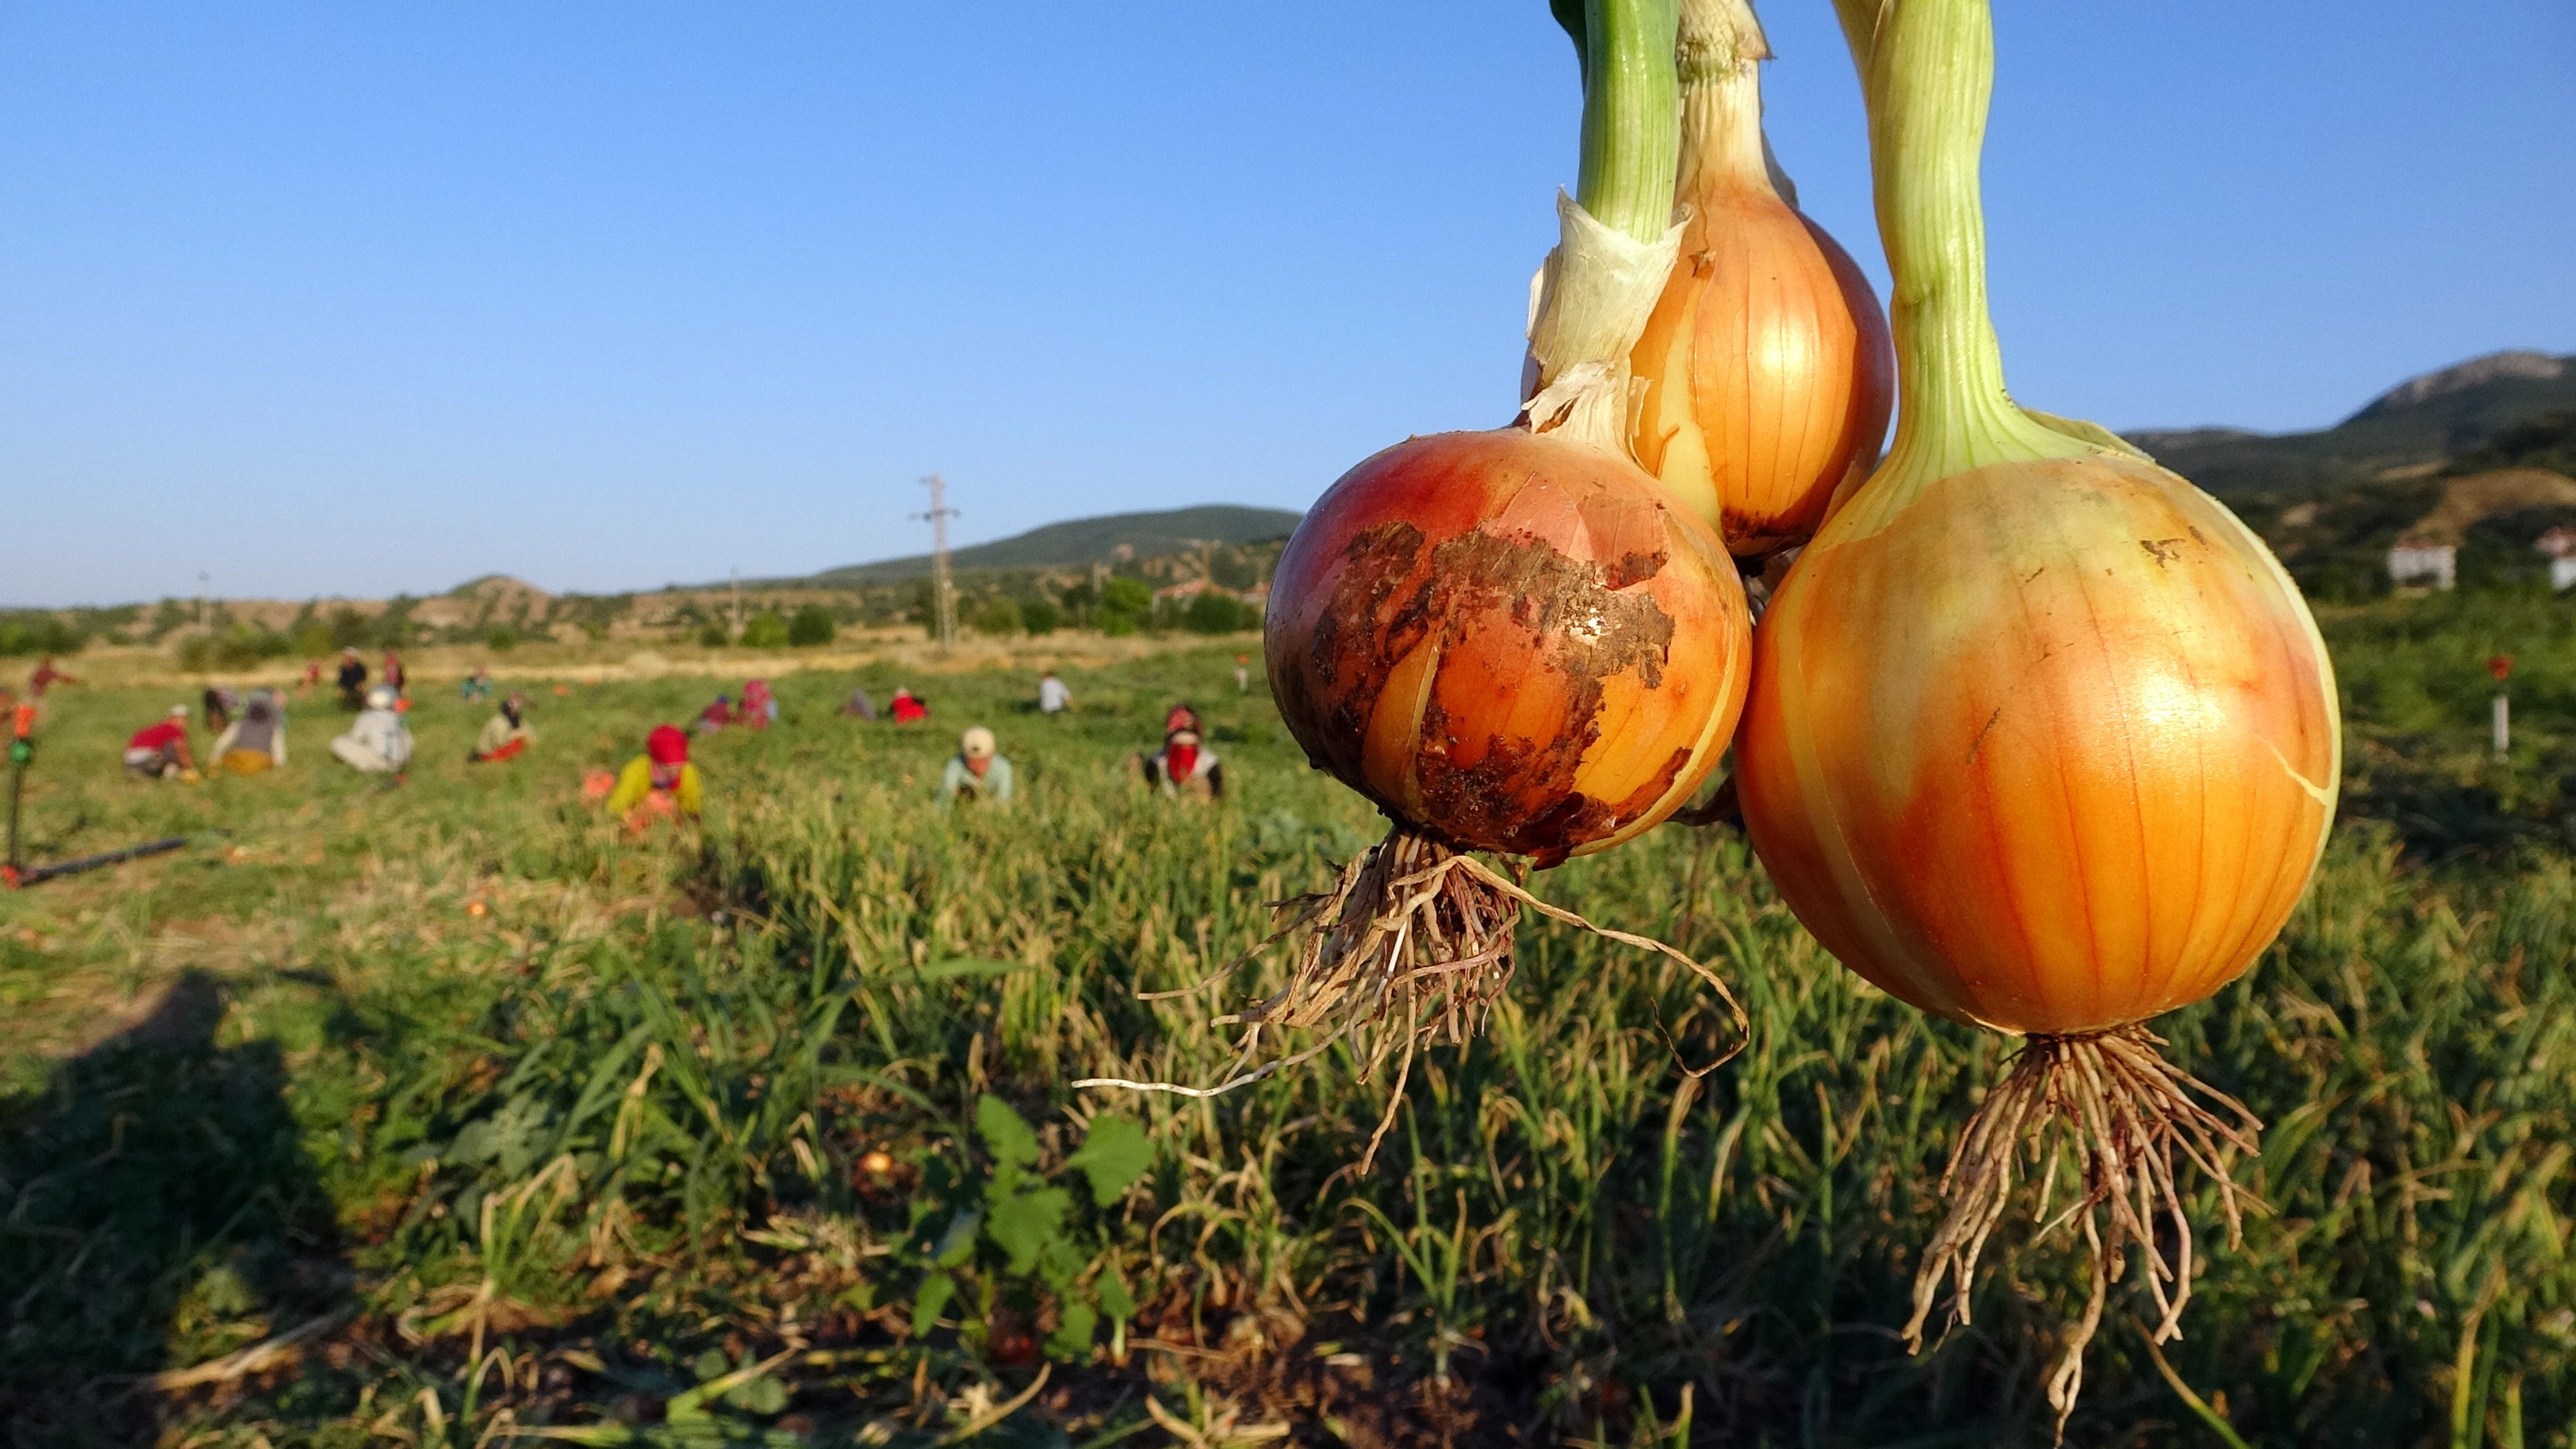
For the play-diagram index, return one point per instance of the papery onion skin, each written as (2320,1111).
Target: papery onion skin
(1513,640)
(1769,370)
(2046,746)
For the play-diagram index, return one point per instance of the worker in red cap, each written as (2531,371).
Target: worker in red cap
(659,782)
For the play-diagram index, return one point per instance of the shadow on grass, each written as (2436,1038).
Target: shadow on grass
(157,1212)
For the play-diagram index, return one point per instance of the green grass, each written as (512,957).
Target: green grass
(601,1160)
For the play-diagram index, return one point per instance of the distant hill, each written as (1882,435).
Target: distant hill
(2423,423)
(1114,538)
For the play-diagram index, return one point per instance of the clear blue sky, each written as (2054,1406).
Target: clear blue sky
(364,298)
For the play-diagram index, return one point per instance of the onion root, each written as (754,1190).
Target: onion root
(2113,1101)
(1412,944)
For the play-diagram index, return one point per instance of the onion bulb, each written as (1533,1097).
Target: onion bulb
(1767,369)
(1512,641)
(2040,738)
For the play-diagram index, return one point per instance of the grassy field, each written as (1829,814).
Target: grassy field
(762,1135)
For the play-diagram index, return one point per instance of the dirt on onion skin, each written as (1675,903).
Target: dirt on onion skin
(1517,794)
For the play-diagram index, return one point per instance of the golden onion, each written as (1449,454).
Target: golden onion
(2040,738)
(1767,367)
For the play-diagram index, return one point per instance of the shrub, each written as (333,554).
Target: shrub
(313,641)
(1040,617)
(1216,613)
(812,625)
(765,630)
(713,634)
(1124,604)
(1000,618)
(27,634)
(501,639)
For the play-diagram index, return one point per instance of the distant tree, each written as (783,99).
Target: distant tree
(1000,618)
(501,638)
(1217,613)
(313,640)
(172,614)
(348,628)
(1125,605)
(764,630)
(712,634)
(1039,616)
(812,625)
(37,633)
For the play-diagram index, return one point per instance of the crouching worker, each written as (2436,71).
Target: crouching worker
(256,741)
(659,784)
(975,772)
(505,735)
(377,743)
(160,752)
(1183,766)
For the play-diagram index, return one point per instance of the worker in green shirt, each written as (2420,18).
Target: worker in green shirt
(975,772)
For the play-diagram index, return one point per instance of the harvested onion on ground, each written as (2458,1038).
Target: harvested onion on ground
(2041,738)
(1767,367)
(1511,641)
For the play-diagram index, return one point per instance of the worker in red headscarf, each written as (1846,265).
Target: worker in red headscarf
(659,782)
(1185,766)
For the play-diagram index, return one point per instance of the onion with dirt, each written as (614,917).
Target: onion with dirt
(1514,641)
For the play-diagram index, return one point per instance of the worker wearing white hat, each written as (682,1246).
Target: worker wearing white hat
(975,772)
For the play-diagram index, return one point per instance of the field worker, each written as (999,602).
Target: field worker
(1053,697)
(1182,717)
(904,708)
(377,743)
(858,706)
(975,771)
(312,677)
(353,681)
(221,704)
(715,716)
(45,677)
(659,783)
(256,741)
(160,752)
(1184,766)
(396,680)
(477,685)
(505,735)
(1243,674)
(759,707)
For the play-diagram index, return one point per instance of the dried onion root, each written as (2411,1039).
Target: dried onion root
(2111,1102)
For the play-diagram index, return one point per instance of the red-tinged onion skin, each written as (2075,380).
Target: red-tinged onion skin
(2052,747)
(1517,642)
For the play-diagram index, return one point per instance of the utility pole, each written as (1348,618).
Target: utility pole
(202,582)
(943,593)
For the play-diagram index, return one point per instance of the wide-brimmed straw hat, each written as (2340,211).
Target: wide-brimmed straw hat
(976,744)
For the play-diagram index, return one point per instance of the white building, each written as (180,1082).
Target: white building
(2559,544)
(2417,563)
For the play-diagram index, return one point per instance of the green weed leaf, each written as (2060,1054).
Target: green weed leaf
(1072,1338)
(936,1290)
(1025,1222)
(1111,1289)
(958,1244)
(1006,1134)
(1114,1155)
